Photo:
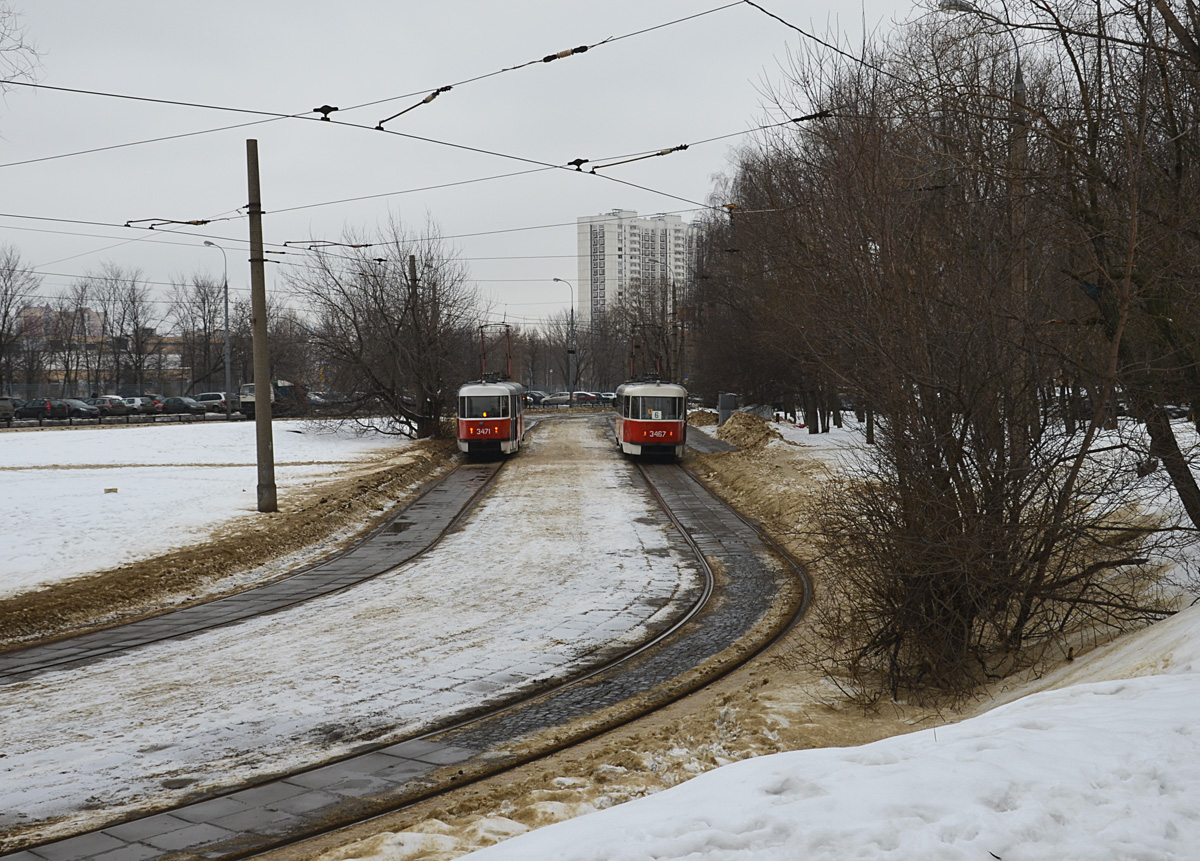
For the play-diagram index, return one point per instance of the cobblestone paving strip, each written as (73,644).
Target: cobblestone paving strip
(410,532)
(699,439)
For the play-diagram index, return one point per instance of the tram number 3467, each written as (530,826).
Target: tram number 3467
(658,434)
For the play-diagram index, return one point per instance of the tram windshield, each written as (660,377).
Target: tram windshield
(483,407)
(656,408)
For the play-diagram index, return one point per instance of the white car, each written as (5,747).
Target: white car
(143,405)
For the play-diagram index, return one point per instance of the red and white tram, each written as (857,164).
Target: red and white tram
(651,417)
(491,416)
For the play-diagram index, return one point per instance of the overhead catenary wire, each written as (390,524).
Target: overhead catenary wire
(324,111)
(158,224)
(540,166)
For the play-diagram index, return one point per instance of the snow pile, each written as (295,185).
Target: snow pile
(1099,770)
(702,418)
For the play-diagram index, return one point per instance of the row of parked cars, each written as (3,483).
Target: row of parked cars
(110,405)
(541,399)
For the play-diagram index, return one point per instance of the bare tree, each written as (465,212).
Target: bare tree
(130,326)
(394,323)
(18,57)
(197,314)
(68,338)
(891,249)
(17,284)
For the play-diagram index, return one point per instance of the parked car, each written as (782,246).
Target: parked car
(8,408)
(585,398)
(82,409)
(534,397)
(109,405)
(44,408)
(186,406)
(557,399)
(608,398)
(143,405)
(214,402)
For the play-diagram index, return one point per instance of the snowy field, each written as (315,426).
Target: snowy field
(1098,759)
(375,663)
(173,485)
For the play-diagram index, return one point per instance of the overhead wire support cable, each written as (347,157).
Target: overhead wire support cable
(318,244)
(324,111)
(429,98)
(667,151)
(859,60)
(162,222)
(424,101)
(149,99)
(552,57)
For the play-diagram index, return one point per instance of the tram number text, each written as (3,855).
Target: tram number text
(483,431)
(658,434)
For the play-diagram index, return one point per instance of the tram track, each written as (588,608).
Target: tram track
(763,593)
(408,534)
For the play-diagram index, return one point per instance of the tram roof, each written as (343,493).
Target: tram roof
(477,388)
(652,388)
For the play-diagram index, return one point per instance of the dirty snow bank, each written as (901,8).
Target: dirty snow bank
(1104,770)
(1097,759)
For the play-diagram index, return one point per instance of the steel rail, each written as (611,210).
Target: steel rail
(443,741)
(23,662)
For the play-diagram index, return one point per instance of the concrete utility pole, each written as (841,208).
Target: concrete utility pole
(267,501)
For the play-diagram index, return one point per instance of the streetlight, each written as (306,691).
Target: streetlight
(228,383)
(1017,155)
(972,8)
(1016,210)
(570,344)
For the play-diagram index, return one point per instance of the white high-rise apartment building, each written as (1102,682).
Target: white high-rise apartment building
(621,254)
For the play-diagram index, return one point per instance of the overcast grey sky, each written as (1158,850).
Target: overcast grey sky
(678,84)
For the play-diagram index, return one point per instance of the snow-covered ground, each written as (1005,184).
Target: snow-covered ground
(1094,770)
(166,487)
(525,590)
(1098,759)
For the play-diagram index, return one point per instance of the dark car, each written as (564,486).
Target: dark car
(109,405)
(188,406)
(82,409)
(44,408)
(535,397)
